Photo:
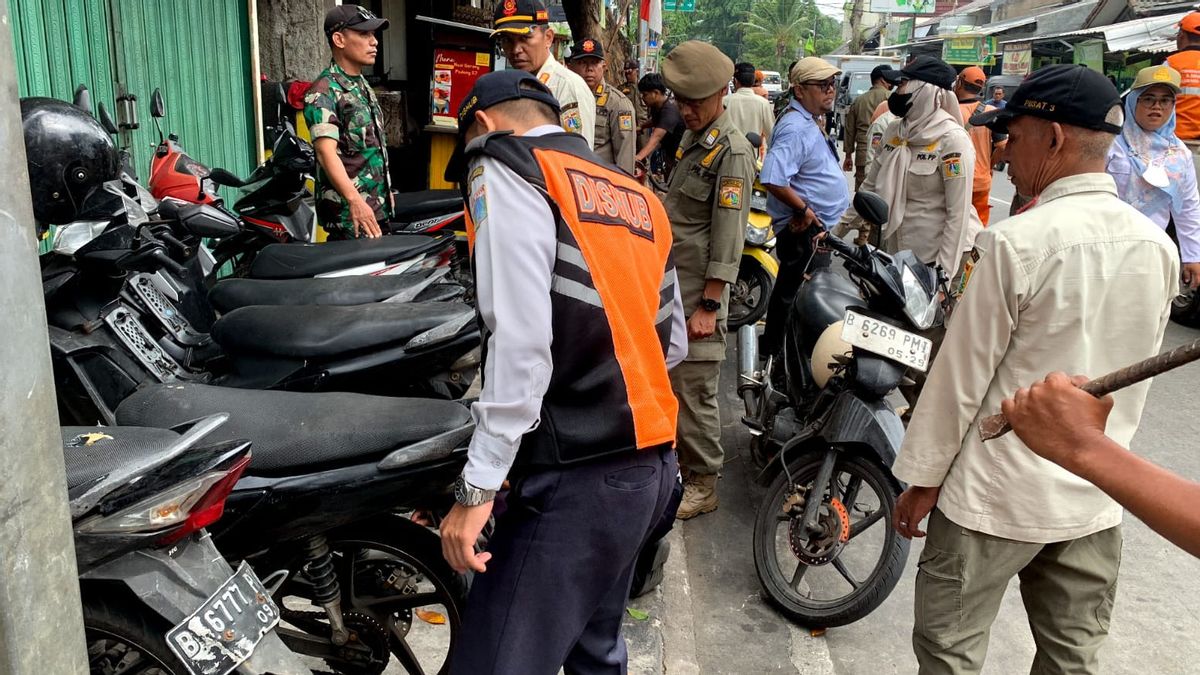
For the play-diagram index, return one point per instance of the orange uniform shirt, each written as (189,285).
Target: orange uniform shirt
(1187,104)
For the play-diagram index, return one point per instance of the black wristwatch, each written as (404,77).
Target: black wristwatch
(710,305)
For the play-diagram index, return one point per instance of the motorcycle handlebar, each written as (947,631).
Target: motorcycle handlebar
(841,246)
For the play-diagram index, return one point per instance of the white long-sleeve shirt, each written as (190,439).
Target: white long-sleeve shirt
(515,248)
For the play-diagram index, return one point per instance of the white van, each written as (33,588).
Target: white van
(773,83)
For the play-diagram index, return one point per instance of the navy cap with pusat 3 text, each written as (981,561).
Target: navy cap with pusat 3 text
(1064,93)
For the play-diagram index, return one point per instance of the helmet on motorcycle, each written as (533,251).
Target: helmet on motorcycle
(69,154)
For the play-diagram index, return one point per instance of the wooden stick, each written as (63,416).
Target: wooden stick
(995,426)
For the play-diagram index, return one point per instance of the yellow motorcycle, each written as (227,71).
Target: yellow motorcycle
(756,277)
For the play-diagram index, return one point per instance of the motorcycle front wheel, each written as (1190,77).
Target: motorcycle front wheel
(843,574)
(749,295)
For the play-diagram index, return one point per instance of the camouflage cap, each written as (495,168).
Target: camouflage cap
(696,70)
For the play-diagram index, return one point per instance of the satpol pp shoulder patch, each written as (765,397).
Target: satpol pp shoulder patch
(968,266)
(626,121)
(571,119)
(478,199)
(952,166)
(729,195)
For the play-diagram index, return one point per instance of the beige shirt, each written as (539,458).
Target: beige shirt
(750,112)
(574,97)
(940,224)
(1080,283)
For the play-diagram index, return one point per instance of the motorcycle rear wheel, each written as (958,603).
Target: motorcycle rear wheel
(120,641)
(749,295)
(784,585)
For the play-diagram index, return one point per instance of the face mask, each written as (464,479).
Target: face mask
(899,104)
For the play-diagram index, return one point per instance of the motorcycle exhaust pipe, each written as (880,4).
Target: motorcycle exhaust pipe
(748,385)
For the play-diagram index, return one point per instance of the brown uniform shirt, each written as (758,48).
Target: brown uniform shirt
(708,202)
(616,128)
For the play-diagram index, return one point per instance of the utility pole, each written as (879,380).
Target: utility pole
(856,11)
(41,628)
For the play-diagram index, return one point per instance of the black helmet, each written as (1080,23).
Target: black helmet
(70,156)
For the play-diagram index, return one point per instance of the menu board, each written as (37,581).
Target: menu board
(454,73)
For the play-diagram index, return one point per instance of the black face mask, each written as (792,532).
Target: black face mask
(899,104)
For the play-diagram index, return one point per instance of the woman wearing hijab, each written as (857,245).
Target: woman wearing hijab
(924,169)
(1153,169)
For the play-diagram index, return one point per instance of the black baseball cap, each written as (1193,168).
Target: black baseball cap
(493,88)
(585,49)
(930,69)
(1065,93)
(519,16)
(886,73)
(353,17)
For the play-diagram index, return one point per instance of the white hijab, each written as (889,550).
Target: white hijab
(934,113)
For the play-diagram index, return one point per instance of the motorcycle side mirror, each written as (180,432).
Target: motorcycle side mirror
(871,207)
(83,99)
(754,139)
(157,107)
(106,120)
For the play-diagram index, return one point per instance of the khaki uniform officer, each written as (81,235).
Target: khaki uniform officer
(616,133)
(708,203)
(522,27)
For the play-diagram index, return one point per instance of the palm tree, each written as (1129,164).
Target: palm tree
(779,22)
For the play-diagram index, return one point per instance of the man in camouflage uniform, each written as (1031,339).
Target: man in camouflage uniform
(616,136)
(353,187)
(708,202)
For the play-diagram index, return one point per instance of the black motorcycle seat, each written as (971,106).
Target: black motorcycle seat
(412,206)
(822,301)
(314,331)
(229,294)
(90,453)
(292,432)
(298,260)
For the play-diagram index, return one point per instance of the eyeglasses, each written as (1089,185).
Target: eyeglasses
(363,13)
(1161,101)
(827,85)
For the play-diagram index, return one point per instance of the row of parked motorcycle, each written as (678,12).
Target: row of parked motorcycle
(260,432)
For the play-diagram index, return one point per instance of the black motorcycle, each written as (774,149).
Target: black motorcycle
(157,595)
(826,435)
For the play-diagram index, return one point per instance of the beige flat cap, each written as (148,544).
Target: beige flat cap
(696,70)
(1164,75)
(812,69)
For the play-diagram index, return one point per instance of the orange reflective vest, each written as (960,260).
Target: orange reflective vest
(1187,105)
(612,297)
(981,138)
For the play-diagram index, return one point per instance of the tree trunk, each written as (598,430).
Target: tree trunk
(584,18)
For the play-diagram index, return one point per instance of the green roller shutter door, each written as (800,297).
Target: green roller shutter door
(196,51)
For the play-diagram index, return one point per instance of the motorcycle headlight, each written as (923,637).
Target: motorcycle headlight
(919,304)
(757,235)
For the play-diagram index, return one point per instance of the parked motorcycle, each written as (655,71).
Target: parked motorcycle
(425,348)
(749,295)
(824,549)
(157,595)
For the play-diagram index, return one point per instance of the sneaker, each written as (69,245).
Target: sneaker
(699,496)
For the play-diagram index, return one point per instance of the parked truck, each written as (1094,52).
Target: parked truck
(854,80)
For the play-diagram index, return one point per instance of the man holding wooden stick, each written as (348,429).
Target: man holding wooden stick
(1081,282)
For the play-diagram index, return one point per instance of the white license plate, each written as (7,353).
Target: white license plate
(887,340)
(227,627)
(758,201)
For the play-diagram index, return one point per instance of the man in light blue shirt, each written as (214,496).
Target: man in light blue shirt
(805,184)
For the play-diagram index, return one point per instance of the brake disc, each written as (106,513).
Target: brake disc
(822,548)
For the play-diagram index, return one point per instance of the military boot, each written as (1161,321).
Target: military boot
(699,495)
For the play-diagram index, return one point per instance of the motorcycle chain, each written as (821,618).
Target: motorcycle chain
(377,639)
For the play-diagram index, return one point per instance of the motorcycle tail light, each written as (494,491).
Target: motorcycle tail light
(194,504)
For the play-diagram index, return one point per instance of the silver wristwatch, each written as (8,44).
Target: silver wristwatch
(469,495)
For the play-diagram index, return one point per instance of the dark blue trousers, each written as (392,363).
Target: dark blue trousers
(563,553)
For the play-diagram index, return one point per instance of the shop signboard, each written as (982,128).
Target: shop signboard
(454,74)
(903,6)
(963,50)
(1091,54)
(900,31)
(1018,57)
